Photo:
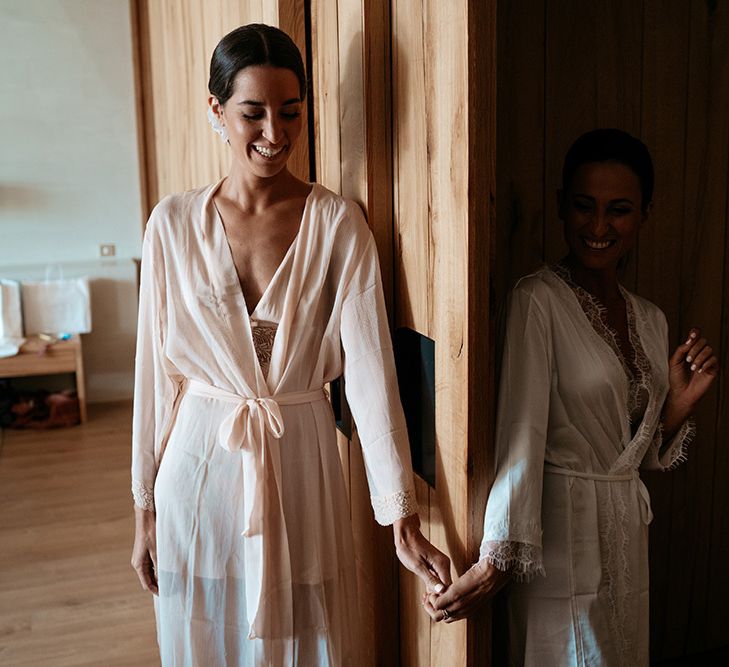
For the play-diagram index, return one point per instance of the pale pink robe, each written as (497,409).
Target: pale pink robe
(255,549)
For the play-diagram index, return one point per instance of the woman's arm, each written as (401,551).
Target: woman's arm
(512,543)
(154,393)
(373,396)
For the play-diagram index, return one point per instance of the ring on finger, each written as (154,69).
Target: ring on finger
(446,615)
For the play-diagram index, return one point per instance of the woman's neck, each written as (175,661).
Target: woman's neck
(254,194)
(602,284)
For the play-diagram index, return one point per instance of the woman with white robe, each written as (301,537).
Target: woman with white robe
(588,395)
(256,292)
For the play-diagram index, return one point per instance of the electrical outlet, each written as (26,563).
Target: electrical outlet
(107,250)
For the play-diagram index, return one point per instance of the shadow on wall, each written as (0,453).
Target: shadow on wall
(21,197)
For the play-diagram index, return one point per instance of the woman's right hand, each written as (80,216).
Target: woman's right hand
(144,553)
(467,594)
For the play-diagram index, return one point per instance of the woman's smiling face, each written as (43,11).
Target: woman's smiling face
(263,118)
(602,213)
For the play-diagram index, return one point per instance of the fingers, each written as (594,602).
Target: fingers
(701,358)
(680,353)
(146,569)
(433,583)
(423,559)
(441,565)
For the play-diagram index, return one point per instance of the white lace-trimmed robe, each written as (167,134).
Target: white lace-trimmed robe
(567,501)
(254,541)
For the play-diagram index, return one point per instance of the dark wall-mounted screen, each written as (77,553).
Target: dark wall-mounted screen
(415,360)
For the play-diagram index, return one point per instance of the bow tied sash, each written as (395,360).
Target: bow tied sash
(249,427)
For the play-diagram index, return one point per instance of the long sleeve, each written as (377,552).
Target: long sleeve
(512,523)
(154,387)
(372,392)
(668,454)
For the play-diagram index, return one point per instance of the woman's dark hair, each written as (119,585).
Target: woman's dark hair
(611,145)
(252,44)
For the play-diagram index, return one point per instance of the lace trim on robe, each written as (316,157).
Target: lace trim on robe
(394,506)
(638,384)
(143,496)
(676,449)
(264,334)
(523,560)
(518,555)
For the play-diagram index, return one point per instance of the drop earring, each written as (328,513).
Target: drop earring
(217,125)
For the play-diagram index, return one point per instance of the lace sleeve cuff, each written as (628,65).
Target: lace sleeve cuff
(143,496)
(673,453)
(523,560)
(398,505)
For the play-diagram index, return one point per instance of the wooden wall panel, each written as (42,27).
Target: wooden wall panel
(657,70)
(402,149)
(176,40)
(522,197)
(411,160)
(444,148)
(351,129)
(664,100)
(703,241)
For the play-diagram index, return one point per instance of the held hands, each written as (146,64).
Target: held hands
(144,553)
(420,556)
(476,587)
(692,369)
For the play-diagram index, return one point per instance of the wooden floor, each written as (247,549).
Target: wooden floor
(68,595)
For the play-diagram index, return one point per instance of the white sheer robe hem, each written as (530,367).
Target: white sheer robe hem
(143,495)
(394,506)
(523,560)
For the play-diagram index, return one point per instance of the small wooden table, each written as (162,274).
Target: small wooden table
(60,357)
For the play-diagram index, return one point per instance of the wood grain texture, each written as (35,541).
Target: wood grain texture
(351,129)
(664,100)
(523,203)
(481,357)
(413,270)
(702,261)
(62,602)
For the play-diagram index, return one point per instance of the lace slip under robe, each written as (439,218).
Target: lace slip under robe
(264,334)
(575,421)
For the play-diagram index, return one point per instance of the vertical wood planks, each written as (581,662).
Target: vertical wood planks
(411,165)
(522,202)
(704,237)
(482,121)
(664,99)
(353,158)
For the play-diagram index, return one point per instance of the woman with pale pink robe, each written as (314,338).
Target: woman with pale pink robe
(256,292)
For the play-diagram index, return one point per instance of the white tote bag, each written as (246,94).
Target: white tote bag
(56,306)
(11,314)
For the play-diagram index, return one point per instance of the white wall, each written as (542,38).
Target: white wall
(69,168)
(69,171)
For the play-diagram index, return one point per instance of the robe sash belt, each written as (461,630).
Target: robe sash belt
(644,499)
(249,428)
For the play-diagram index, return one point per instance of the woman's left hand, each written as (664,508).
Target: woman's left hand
(472,590)
(420,556)
(692,369)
